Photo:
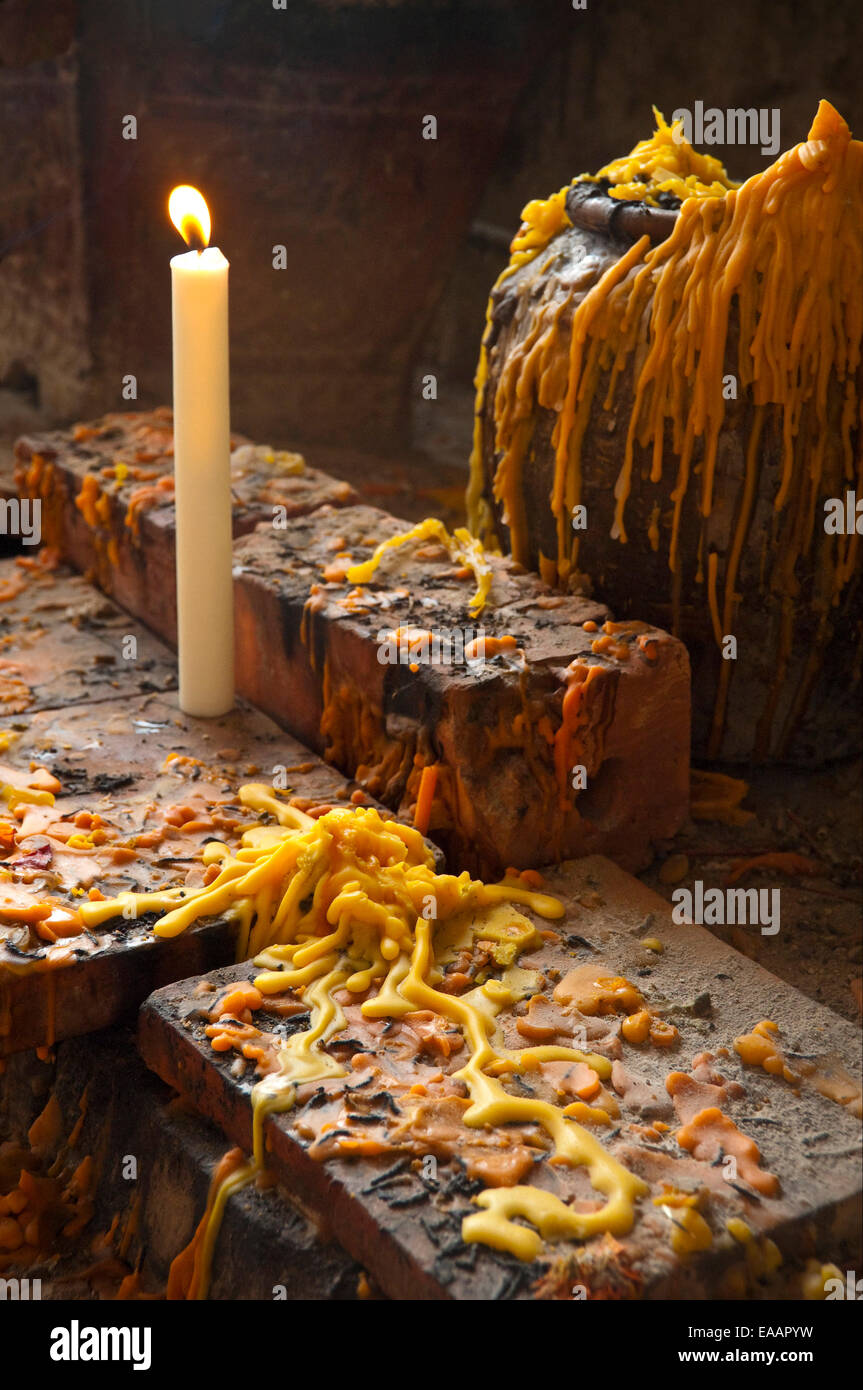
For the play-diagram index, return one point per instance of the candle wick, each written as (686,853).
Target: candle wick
(193,236)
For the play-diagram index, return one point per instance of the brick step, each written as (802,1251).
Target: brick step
(63,643)
(117,525)
(307,653)
(309,649)
(267,1247)
(78,709)
(403,1224)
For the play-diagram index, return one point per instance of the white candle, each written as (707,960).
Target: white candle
(202,464)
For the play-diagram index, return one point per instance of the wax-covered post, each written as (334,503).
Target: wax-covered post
(202,468)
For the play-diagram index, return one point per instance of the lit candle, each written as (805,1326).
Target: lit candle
(202,463)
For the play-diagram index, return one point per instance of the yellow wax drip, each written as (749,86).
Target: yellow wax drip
(785,250)
(352,901)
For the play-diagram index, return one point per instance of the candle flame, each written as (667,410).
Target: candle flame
(190,215)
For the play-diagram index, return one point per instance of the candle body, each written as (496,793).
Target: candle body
(202,480)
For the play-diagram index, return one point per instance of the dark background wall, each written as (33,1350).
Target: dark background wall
(303,127)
